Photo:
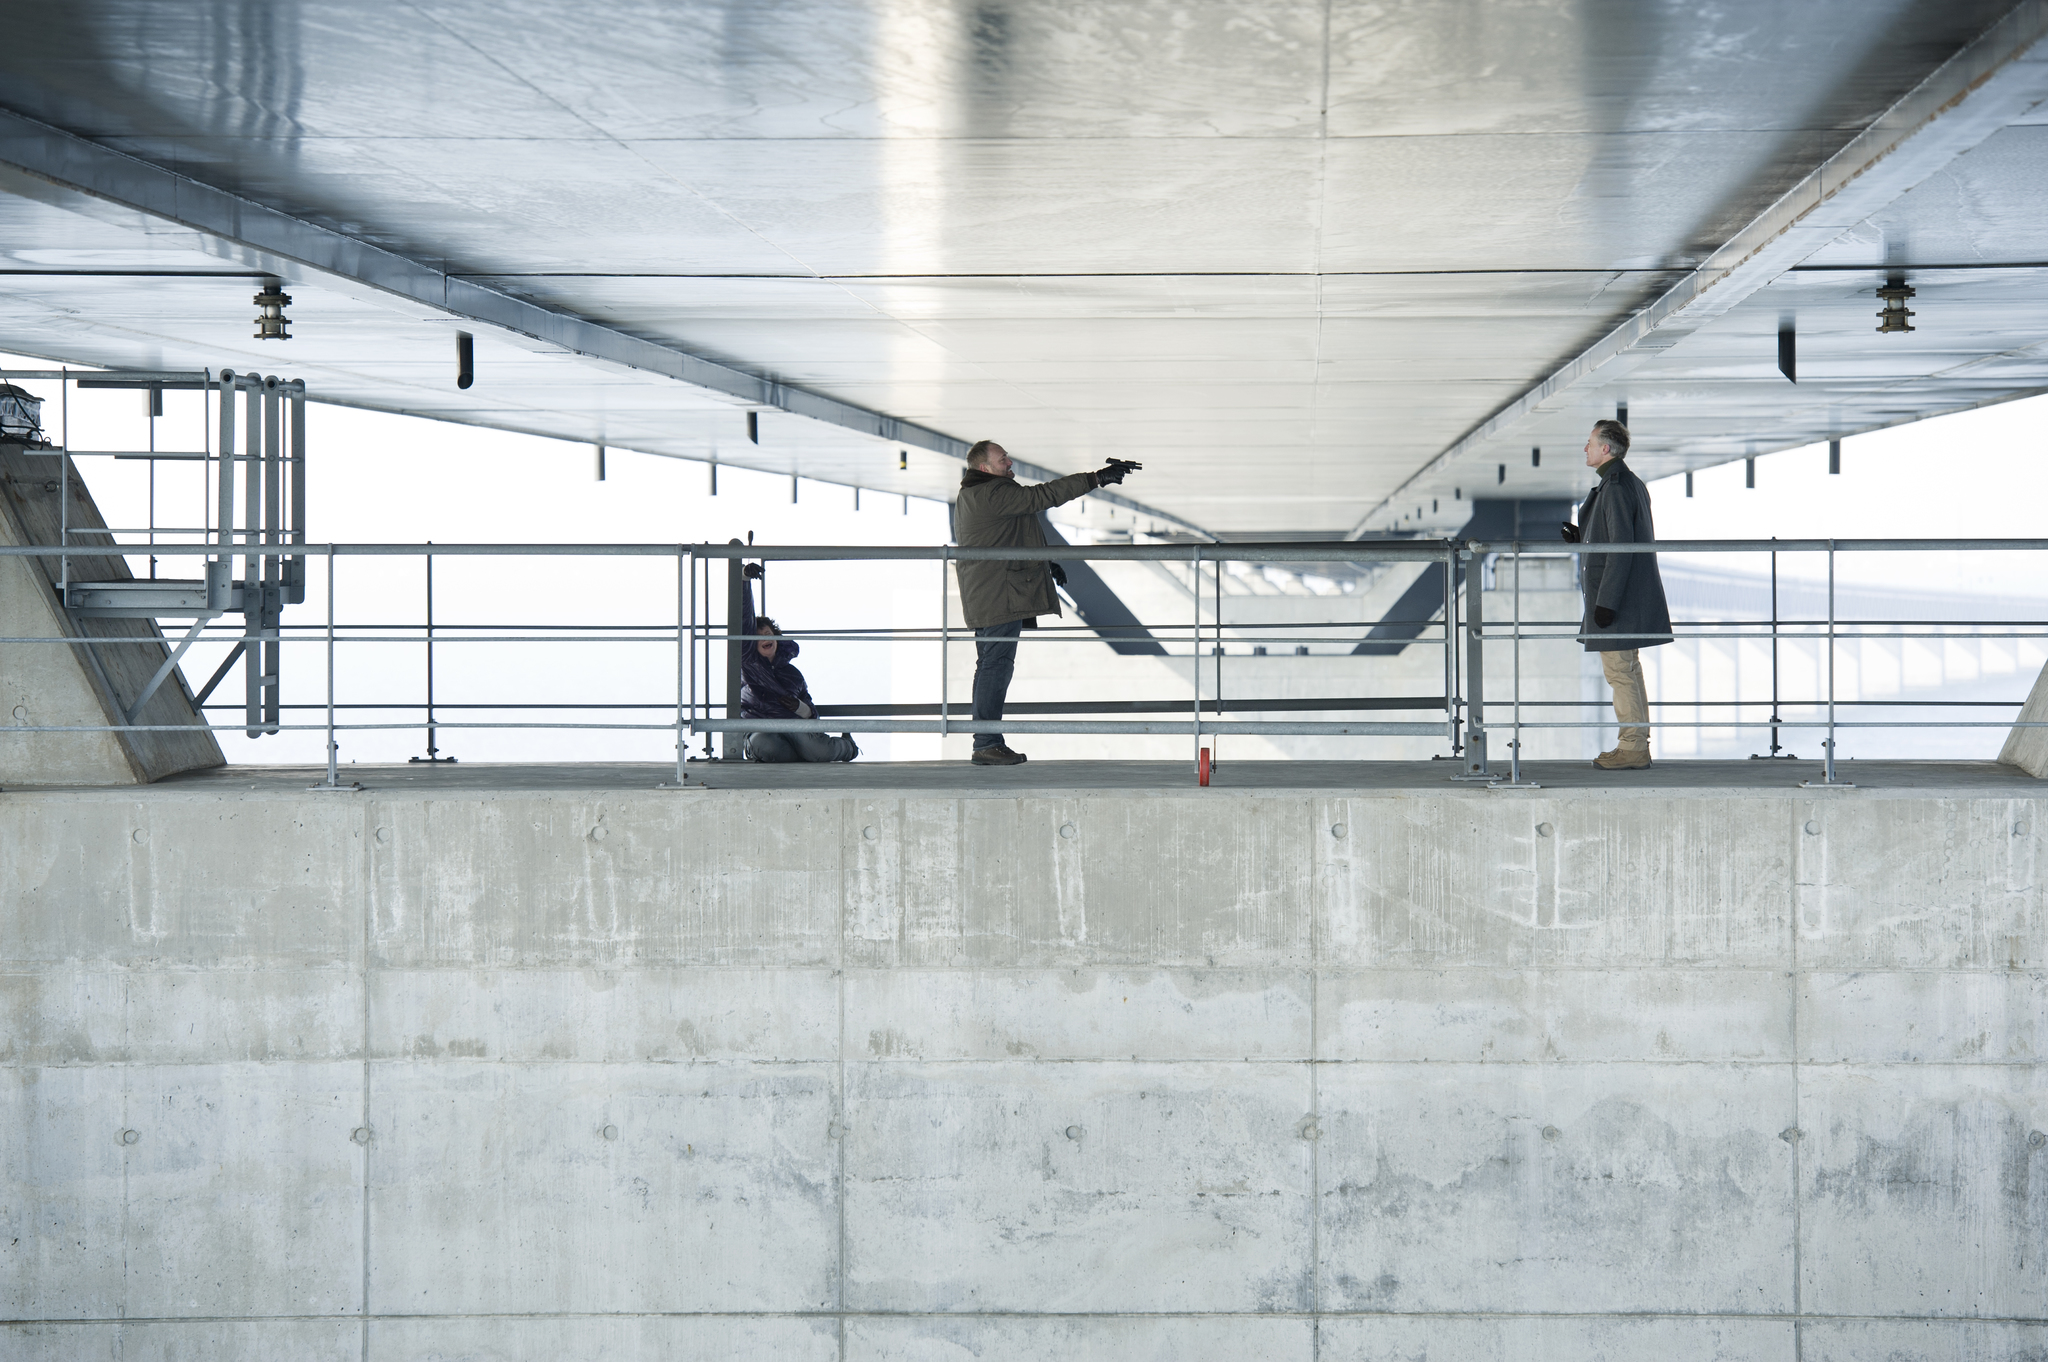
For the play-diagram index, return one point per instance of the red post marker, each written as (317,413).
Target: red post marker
(1202,767)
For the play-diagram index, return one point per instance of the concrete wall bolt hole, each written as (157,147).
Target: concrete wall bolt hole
(599,833)
(868,832)
(2019,829)
(361,1134)
(21,714)
(1073,1132)
(1791,1134)
(383,834)
(1308,1129)
(130,1136)
(1551,1132)
(140,836)
(2037,1139)
(1338,830)
(1544,829)
(610,1132)
(1813,827)
(1067,829)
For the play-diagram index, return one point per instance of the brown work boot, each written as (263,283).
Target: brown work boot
(1623,759)
(998,755)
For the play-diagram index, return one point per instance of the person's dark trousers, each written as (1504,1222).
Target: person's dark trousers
(800,747)
(995,658)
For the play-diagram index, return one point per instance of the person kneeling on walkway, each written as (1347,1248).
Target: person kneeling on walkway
(1625,607)
(772,688)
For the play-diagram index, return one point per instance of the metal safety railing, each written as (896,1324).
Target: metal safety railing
(1829,631)
(700,633)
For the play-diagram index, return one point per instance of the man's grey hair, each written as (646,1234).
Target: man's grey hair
(1614,435)
(977,455)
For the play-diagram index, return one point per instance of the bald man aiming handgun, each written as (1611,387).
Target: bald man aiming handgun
(994,510)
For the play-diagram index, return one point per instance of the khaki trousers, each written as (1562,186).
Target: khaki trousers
(1631,700)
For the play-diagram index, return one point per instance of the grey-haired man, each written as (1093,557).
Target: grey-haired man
(1625,607)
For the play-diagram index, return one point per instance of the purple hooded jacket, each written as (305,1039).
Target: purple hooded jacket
(770,690)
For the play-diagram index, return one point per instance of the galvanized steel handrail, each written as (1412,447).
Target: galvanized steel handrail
(694,714)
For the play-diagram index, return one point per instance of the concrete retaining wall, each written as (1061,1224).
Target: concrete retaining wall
(1479,1075)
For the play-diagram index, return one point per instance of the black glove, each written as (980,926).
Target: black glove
(1115,470)
(1602,616)
(1059,574)
(751,571)
(1570,532)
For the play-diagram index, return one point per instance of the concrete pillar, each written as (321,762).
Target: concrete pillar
(2027,748)
(44,685)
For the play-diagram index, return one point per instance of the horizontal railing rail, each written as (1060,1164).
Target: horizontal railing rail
(698,636)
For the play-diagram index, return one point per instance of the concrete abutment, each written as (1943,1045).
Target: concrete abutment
(913,1073)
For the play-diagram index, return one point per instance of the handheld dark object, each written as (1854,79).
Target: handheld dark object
(1570,532)
(1602,616)
(1116,470)
(1059,574)
(752,572)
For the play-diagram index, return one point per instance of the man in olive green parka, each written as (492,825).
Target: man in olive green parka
(994,510)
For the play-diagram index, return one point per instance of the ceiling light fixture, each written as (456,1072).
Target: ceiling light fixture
(21,416)
(1893,317)
(271,323)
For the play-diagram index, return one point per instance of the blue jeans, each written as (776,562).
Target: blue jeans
(995,658)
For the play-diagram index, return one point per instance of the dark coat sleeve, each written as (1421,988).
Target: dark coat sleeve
(1008,497)
(771,689)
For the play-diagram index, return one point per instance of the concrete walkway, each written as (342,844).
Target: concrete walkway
(960,778)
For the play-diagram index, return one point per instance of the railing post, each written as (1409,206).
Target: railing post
(1828,774)
(735,744)
(686,659)
(693,640)
(1777,751)
(683,664)
(1515,746)
(1216,739)
(273,566)
(333,781)
(252,563)
(945,633)
(333,752)
(1195,573)
(64,494)
(1475,671)
(1451,725)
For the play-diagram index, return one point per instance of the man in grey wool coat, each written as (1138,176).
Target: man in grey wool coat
(994,510)
(1625,609)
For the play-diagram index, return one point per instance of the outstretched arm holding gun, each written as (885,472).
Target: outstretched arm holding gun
(1116,470)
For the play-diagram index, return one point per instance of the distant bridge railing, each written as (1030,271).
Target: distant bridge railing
(701,633)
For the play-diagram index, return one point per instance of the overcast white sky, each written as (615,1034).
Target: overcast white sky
(379,478)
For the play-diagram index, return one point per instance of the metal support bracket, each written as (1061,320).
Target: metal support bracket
(170,663)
